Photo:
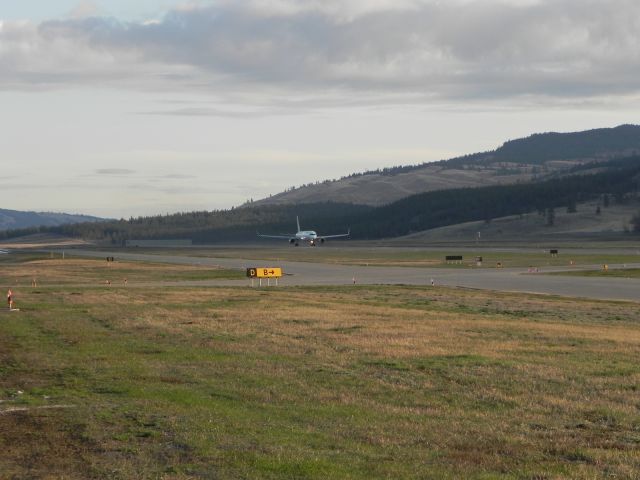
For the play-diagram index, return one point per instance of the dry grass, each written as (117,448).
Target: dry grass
(52,272)
(360,382)
(41,241)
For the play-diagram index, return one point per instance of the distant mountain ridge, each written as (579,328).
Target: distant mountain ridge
(537,157)
(547,147)
(14,219)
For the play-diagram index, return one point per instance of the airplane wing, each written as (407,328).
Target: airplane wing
(337,236)
(285,237)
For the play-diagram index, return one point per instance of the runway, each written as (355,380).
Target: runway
(506,280)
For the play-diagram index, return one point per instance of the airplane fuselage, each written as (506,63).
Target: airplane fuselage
(305,236)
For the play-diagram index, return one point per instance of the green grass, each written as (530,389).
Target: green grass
(316,383)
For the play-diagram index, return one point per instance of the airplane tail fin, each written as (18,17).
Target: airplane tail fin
(298,222)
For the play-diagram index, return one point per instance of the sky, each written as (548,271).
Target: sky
(124,108)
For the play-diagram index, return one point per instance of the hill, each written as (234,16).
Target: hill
(616,179)
(13,219)
(614,182)
(537,157)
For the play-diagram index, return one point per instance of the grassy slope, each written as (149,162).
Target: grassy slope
(532,228)
(377,189)
(366,382)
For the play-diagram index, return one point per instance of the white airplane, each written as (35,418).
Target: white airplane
(3,252)
(306,236)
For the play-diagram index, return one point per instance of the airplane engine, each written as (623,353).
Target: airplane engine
(322,240)
(292,240)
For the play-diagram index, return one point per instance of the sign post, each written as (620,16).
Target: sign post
(453,258)
(264,272)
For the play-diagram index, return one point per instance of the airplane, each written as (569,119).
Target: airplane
(4,252)
(306,236)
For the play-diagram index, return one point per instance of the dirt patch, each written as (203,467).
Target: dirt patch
(35,441)
(43,445)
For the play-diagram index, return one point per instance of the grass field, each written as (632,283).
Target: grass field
(310,383)
(47,271)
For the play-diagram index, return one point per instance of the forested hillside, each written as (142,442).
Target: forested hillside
(620,182)
(238,224)
(541,148)
(617,181)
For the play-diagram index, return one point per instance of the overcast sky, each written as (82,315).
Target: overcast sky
(133,107)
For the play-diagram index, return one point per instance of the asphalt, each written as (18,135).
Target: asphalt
(506,280)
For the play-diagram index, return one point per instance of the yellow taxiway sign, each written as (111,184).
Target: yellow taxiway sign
(264,272)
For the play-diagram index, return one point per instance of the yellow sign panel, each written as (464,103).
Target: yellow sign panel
(264,272)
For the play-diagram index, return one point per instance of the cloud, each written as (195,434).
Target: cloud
(177,176)
(115,171)
(85,8)
(132,174)
(383,51)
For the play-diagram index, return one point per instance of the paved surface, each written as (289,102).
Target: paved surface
(507,280)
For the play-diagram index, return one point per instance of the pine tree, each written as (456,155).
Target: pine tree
(551,217)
